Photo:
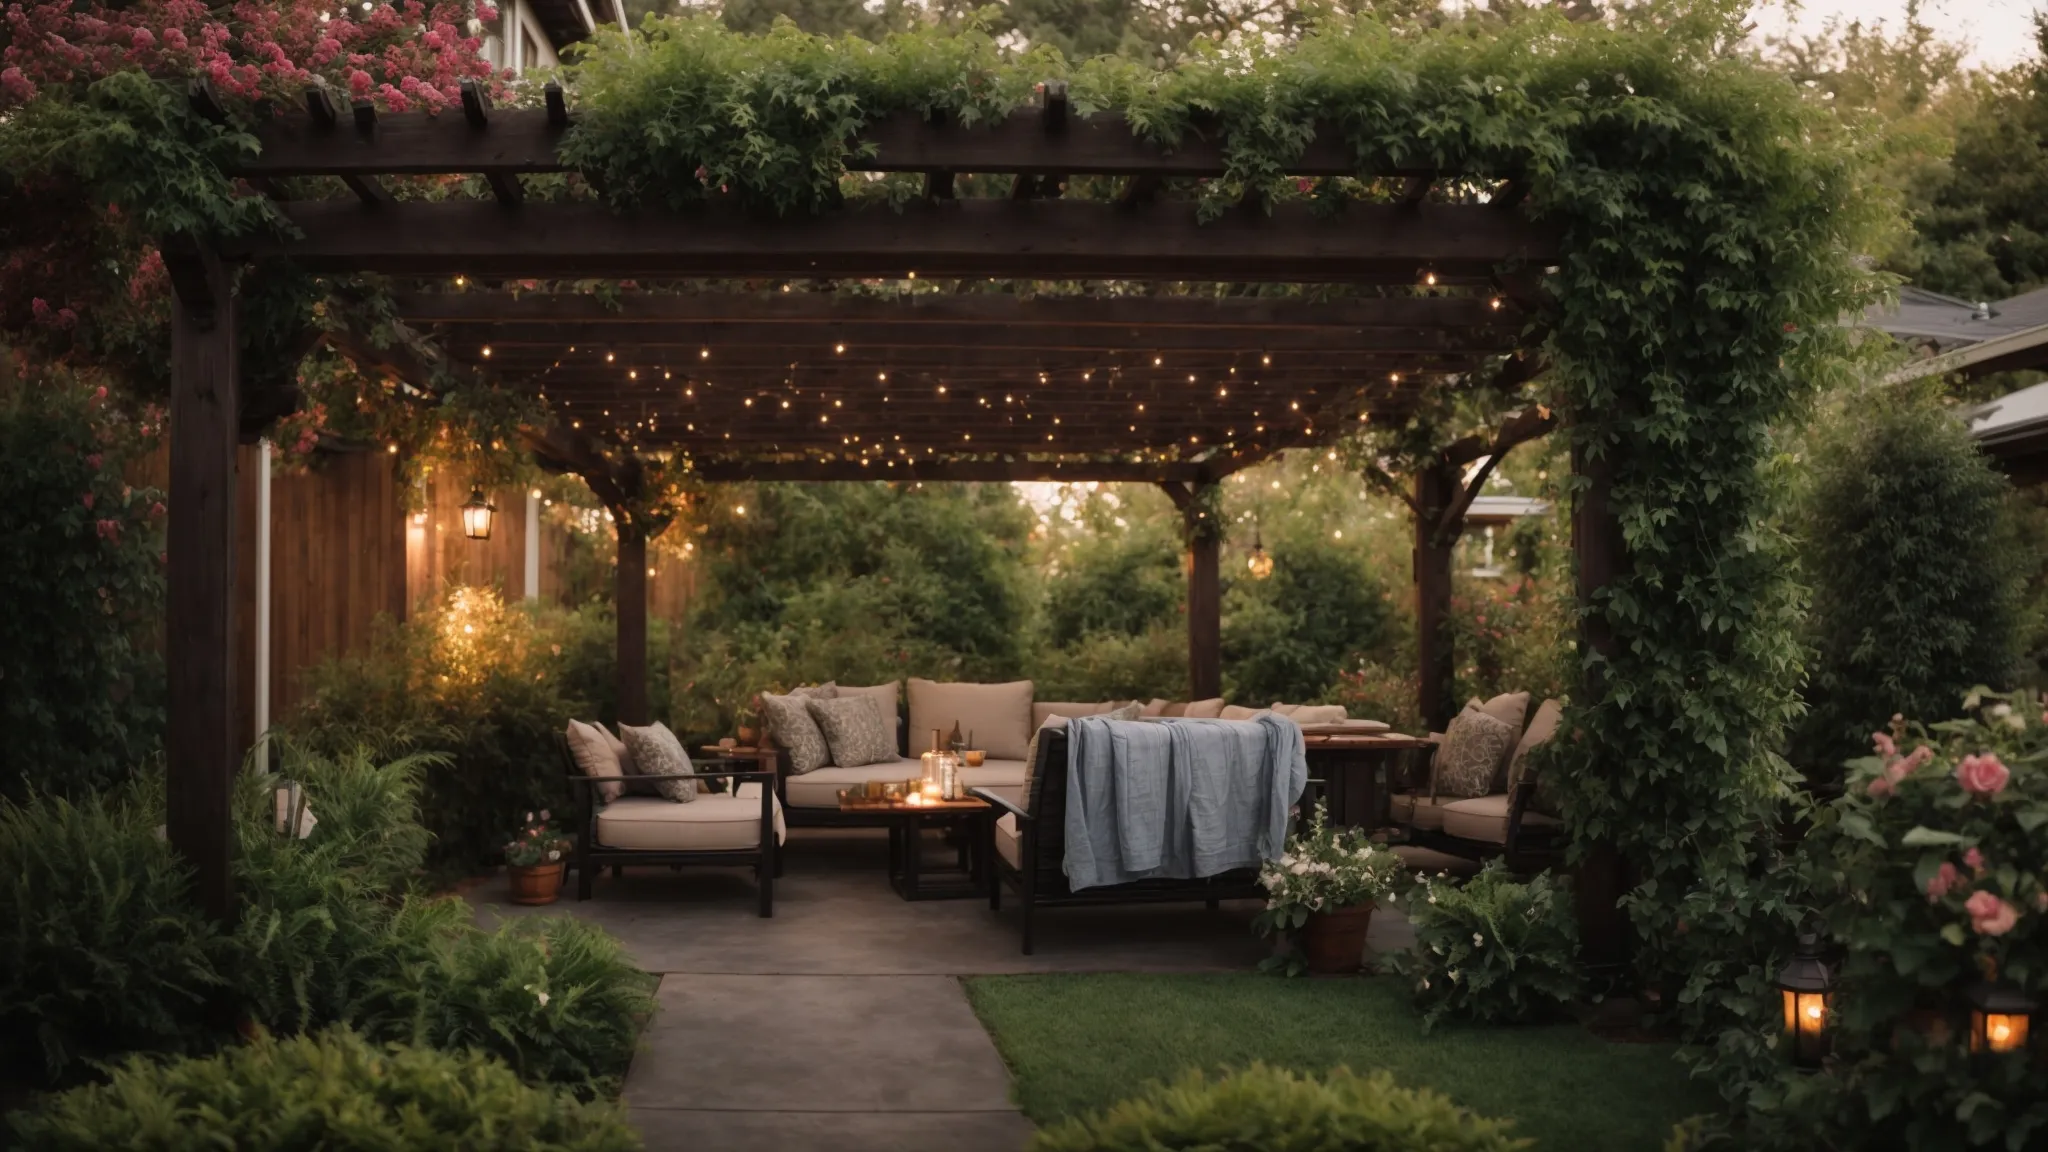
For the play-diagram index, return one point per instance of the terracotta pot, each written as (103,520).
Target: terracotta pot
(1334,941)
(539,884)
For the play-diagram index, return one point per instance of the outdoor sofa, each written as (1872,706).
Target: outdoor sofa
(1504,820)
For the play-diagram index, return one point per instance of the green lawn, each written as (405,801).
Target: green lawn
(1078,1042)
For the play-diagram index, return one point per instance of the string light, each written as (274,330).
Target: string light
(703,353)
(487,351)
(1494,303)
(1429,278)
(1266,361)
(608,357)
(839,349)
(1156,361)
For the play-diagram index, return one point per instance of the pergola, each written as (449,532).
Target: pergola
(872,342)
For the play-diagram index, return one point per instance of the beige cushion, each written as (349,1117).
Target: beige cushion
(1130,711)
(1306,714)
(1154,707)
(890,697)
(1177,708)
(855,729)
(1472,753)
(715,822)
(1542,727)
(999,715)
(591,748)
(1009,841)
(1510,708)
(658,754)
(1416,810)
(995,774)
(820,789)
(1040,709)
(1485,818)
(1208,709)
(1238,712)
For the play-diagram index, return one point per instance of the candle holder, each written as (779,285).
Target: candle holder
(1804,987)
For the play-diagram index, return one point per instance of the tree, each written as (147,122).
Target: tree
(1289,637)
(1915,569)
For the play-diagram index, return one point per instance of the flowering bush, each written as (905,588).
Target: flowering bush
(538,842)
(1936,872)
(1491,948)
(1325,868)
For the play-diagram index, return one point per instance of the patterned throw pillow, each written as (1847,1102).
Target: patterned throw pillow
(791,727)
(1471,754)
(855,730)
(657,752)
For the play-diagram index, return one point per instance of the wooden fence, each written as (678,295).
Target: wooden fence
(345,551)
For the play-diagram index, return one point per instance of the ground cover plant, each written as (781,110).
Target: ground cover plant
(1079,1043)
(1492,949)
(333,1091)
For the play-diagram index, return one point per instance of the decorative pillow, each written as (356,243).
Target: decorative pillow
(591,748)
(1208,709)
(1155,707)
(1238,712)
(1305,714)
(1511,709)
(657,753)
(999,715)
(1042,709)
(829,690)
(1178,708)
(855,730)
(791,727)
(1131,711)
(1542,727)
(1471,754)
(890,697)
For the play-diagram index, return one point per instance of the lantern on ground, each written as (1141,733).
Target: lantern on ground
(477,514)
(2000,1015)
(1803,986)
(1261,562)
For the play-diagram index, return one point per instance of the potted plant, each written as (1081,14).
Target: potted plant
(1322,893)
(749,721)
(535,859)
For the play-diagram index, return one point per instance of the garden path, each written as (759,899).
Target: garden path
(840,1023)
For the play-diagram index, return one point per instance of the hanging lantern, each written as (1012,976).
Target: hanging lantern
(1261,561)
(1803,985)
(2000,1015)
(477,514)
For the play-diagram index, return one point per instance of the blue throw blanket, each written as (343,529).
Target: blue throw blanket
(1178,799)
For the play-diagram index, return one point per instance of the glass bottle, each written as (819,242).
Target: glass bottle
(934,762)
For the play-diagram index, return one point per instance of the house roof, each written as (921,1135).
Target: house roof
(1953,335)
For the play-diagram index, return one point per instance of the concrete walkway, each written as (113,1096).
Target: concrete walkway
(840,1023)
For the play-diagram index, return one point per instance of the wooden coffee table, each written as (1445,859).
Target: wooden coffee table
(1352,765)
(907,822)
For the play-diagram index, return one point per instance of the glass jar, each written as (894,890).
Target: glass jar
(941,770)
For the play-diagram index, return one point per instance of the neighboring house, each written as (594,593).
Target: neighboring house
(532,33)
(1958,336)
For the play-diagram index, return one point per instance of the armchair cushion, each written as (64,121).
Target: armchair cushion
(1542,727)
(1209,709)
(820,789)
(999,715)
(1485,818)
(1130,711)
(716,822)
(1009,841)
(591,747)
(657,753)
(1417,810)
(855,730)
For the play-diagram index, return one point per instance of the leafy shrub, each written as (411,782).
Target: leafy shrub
(331,1091)
(79,564)
(1113,666)
(1915,571)
(1932,875)
(555,998)
(1373,691)
(477,681)
(1492,949)
(1288,637)
(1512,635)
(1124,585)
(100,952)
(1275,1110)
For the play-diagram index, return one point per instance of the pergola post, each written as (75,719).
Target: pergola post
(1436,487)
(631,591)
(1599,550)
(1197,504)
(202,746)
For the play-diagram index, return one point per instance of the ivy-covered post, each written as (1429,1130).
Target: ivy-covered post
(1598,551)
(202,747)
(1436,489)
(1201,511)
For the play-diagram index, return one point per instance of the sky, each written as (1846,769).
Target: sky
(2001,32)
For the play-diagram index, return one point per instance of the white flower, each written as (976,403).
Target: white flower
(554,854)
(1478,941)
(2000,711)
(539,994)
(1453,974)
(529,817)
(1425,983)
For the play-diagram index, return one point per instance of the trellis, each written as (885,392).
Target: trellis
(754,348)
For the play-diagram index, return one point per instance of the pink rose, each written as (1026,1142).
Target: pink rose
(1882,741)
(1989,915)
(1982,775)
(1945,881)
(1975,860)
(1879,787)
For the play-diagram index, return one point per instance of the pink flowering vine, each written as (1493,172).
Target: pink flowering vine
(1990,915)
(1944,881)
(1983,775)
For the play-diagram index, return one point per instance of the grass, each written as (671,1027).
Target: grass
(1077,1043)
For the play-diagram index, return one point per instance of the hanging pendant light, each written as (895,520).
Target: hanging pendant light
(477,514)
(1261,561)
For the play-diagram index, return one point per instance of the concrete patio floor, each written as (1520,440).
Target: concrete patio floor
(840,1023)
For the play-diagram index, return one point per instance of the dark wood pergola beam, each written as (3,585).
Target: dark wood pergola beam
(1181,350)
(976,311)
(963,471)
(525,141)
(1041,239)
